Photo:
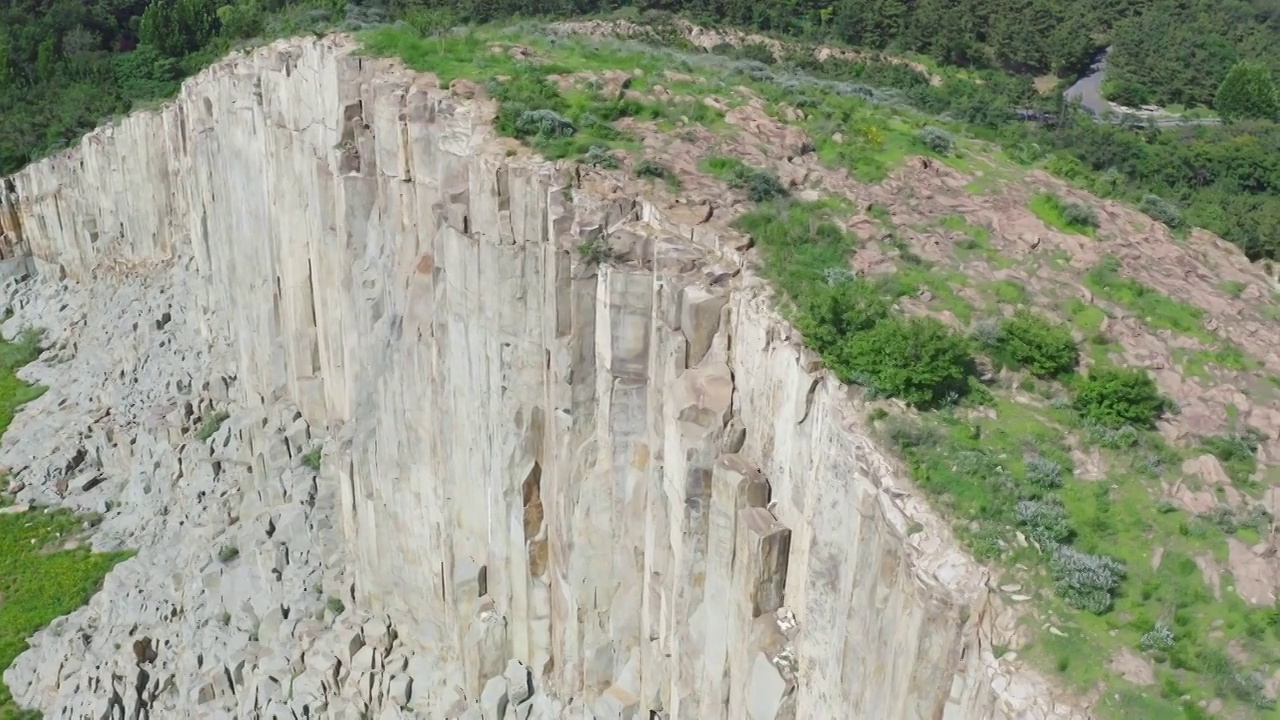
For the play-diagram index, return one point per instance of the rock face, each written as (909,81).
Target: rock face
(549,488)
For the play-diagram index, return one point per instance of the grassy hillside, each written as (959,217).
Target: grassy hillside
(1067,378)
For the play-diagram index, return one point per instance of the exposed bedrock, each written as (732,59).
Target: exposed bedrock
(562,489)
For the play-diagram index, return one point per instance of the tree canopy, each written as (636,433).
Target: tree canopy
(1248,93)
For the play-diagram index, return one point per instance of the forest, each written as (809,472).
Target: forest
(67,65)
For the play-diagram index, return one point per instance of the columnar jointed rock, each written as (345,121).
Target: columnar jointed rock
(628,479)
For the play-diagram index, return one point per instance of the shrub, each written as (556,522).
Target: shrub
(1081,215)
(1230,521)
(1115,397)
(987,333)
(1247,93)
(1043,472)
(760,185)
(828,315)
(600,156)
(651,169)
(1230,679)
(937,140)
(1111,437)
(1062,215)
(763,186)
(211,423)
(1237,450)
(919,360)
(335,605)
(908,434)
(596,251)
(1157,208)
(1159,639)
(1085,581)
(838,276)
(1043,347)
(544,123)
(228,553)
(752,51)
(312,458)
(1046,521)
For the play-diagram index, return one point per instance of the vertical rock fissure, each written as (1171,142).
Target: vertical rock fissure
(535,544)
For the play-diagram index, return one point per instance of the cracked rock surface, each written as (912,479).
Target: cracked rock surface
(547,488)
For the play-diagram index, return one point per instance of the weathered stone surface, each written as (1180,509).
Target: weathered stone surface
(523,457)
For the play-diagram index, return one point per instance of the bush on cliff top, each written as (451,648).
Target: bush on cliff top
(1043,347)
(848,320)
(919,360)
(1116,397)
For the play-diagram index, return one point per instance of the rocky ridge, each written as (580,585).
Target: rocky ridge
(547,489)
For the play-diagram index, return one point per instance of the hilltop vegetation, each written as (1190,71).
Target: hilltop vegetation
(66,66)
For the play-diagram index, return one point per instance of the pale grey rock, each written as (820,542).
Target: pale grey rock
(519,682)
(767,690)
(523,458)
(399,689)
(493,699)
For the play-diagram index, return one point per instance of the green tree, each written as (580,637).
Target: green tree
(432,22)
(47,59)
(6,72)
(1247,93)
(831,314)
(1043,347)
(919,360)
(1116,397)
(243,19)
(178,27)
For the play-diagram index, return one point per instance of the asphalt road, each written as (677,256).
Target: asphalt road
(1088,91)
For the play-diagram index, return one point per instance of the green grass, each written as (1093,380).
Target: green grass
(1007,292)
(975,244)
(1057,214)
(1229,357)
(38,581)
(557,123)
(873,148)
(1232,287)
(1159,311)
(881,215)
(941,286)
(1088,318)
(1237,451)
(312,458)
(335,605)
(801,243)
(976,468)
(211,423)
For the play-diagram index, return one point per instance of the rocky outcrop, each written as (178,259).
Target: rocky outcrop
(549,488)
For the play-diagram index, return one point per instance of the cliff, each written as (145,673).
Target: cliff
(548,487)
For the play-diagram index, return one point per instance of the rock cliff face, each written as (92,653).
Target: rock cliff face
(552,488)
